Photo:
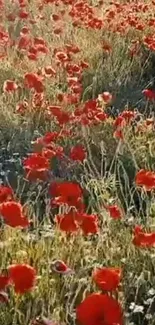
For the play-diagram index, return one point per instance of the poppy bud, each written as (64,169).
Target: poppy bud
(60,267)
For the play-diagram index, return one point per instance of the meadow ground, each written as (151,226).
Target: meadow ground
(77,162)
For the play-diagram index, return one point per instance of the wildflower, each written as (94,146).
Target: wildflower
(69,193)
(57,31)
(36,162)
(6,193)
(24,30)
(99,309)
(84,64)
(34,81)
(46,139)
(23,14)
(55,17)
(62,116)
(119,122)
(24,42)
(60,267)
(11,212)
(107,278)
(105,97)
(118,134)
(71,48)
(61,56)
(48,71)
(149,94)
(34,175)
(10,86)
(23,277)
(145,179)
(128,115)
(21,107)
(114,211)
(73,69)
(89,224)
(32,56)
(78,153)
(142,239)
(39,41)
(67,223)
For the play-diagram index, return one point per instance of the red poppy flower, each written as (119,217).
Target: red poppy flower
(70,201)
(72,68)
(90,106)
(146,179)
(55,17)
(38,100)
(67,193)
(23,14)
(39,41)
(47,138)
(119,122)
(84,65)
(118,134)
(34,81)
(24,42)
(128,115)
(71,99)
(72,48)
(36,162)
(67,223)
(78,153)
(36,167)
(32,56)
(48,71)
(21,107)
(61,56)
(42,49)
(72,81)
(35,175)
(101,116)
(62,117)
(57,31)
(33,51)
(98,309)
(107,278)
(24,30)
(23,277)
(142,239)
(4,37)
(105,97)
(89,224)
(115,211)
(9,86)
(6,193)
(11,212)
(60,267)
(149,94)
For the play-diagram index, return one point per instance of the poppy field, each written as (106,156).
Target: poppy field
(77,162)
